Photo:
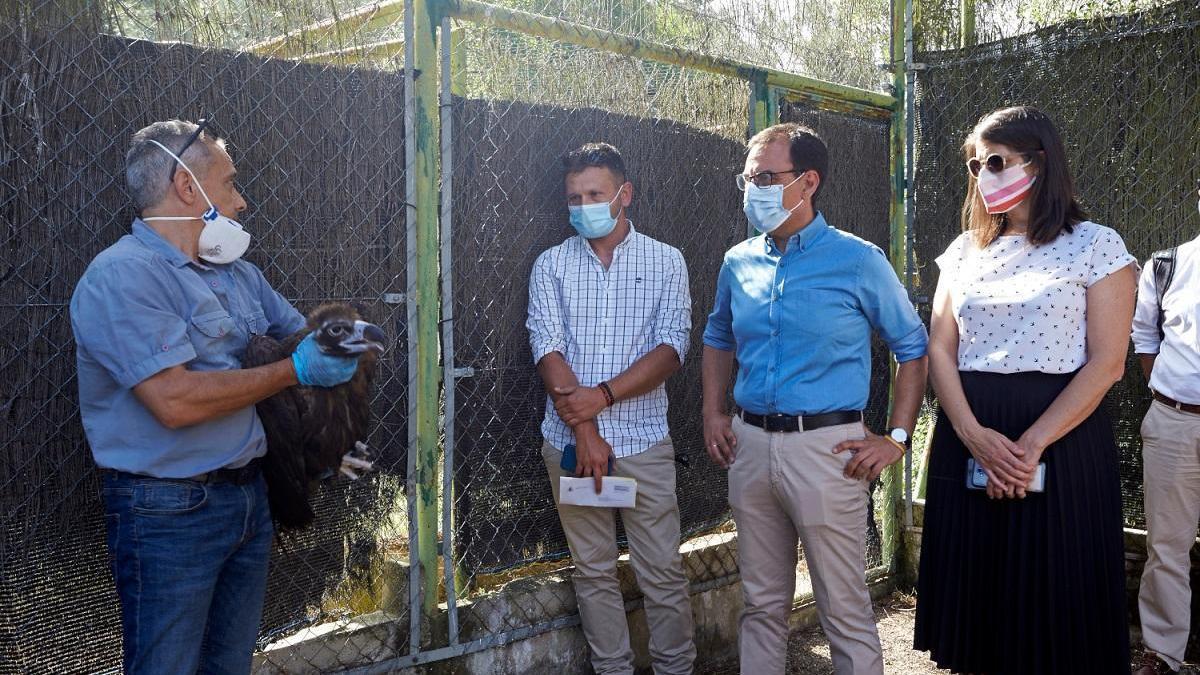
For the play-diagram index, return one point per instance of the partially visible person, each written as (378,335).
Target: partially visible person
(609,321)
(1166,337)
(1029,331)
(160,319)
(796,307)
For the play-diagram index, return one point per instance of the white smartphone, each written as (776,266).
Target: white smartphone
(977,478)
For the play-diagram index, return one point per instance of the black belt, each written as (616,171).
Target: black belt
(240,476)
(780,422)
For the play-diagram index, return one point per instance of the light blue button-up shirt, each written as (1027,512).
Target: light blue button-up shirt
(142,306)
(800,321)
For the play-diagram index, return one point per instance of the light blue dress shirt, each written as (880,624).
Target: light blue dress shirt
(800,321)
(142,306)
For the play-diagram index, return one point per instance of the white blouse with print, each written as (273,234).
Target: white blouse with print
(1022,307)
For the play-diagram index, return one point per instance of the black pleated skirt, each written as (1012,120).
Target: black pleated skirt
(1028,586)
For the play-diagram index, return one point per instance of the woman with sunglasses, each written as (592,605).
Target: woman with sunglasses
(1030,324)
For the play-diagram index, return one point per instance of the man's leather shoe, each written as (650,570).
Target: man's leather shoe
(1152,665)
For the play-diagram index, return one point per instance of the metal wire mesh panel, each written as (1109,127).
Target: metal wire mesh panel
(320,154)
(509,208)
(840,41)
(1125,94)
(855,198)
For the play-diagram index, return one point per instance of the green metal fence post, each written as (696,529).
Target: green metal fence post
(762,114)
(426,16)
(893,477)
(760,103)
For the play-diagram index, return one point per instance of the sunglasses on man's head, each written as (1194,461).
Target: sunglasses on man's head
(191,139)
(994,163)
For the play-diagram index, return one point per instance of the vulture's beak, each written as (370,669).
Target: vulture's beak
(366,337)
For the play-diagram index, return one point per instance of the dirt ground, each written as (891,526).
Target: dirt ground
(808,651)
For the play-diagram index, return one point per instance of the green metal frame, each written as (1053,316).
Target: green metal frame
(767,88)
(820,92)
(427,132)
(893,476)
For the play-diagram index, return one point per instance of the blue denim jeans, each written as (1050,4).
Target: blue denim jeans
(190,562)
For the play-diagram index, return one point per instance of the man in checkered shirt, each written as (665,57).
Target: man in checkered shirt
(609,318)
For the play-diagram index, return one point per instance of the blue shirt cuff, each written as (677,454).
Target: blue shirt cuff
(912,346)
(725,345)
(143,370)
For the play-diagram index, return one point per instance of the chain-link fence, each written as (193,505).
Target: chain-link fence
(682,134)
(316,111)
(320,153)
(1124,92)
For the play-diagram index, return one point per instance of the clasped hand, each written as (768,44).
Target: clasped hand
(576,404)
(1009,465)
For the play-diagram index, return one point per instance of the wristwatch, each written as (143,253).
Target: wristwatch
(899,436)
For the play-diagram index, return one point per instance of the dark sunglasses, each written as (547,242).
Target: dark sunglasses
(191,139)
(994,163)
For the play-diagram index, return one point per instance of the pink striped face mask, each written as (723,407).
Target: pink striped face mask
(1002,191)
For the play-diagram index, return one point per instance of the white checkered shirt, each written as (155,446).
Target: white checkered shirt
(601,321)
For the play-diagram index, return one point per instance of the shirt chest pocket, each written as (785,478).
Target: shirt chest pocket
(257,324)
(821,315)
(211,333)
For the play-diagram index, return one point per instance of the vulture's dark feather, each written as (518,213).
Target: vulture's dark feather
(309,429)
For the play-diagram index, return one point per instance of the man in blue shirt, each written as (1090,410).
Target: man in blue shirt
(161,319)
(796,307)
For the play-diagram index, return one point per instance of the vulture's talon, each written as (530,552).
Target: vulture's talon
(356,463)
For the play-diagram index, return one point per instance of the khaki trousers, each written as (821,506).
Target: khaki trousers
(653,531)
(1171,474)
(789,486)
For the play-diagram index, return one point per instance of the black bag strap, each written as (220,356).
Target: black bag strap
(1164,272)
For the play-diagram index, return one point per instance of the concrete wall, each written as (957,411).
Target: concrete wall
(546,602)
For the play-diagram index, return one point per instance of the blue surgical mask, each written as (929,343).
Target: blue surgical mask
(593,221)
(764,206)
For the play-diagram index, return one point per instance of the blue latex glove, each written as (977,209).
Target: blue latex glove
(315,368)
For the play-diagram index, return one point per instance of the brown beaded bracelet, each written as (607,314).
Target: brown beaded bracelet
(608,395)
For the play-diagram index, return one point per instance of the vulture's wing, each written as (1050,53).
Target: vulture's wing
(282,417)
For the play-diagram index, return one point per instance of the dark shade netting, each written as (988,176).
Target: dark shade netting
(1125,95)
(320,153)
(509,207)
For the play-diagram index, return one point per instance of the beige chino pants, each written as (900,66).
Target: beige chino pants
(785,487)
(1171,474)
(653,531)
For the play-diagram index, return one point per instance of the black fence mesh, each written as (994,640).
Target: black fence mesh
(508,209)
(321,158)
(1125,94)
(320,153)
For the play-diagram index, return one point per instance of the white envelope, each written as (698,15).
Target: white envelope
(615,492)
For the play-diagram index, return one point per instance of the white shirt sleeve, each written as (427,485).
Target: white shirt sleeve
(544,318)
(952,257)
(1108,254)
(1146,337)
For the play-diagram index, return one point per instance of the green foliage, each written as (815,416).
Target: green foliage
(936,22)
